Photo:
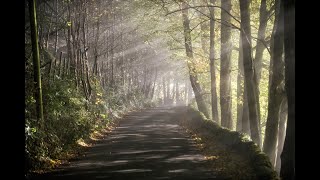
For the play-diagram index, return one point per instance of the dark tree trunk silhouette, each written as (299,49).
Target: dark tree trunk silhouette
(275,90)
(288,153)
(282,132)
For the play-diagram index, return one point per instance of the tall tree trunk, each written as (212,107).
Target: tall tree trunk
(60,64)
(56,40)
(36,62)
(203,26)
(173,91)
(57,32)
(240,90)
(275,91)
(168,89)
(70,54)
(85,49)
(186,92)
(112,50)
(177,93)
(261,36)
(164,90)
(288,153)
(192,74)
(249,71)
(282,132)
(225,70)
(154,83)
(95,63)
(245,113)
(214,98)
(190,94)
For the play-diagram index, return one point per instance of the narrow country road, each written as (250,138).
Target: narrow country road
(147,145)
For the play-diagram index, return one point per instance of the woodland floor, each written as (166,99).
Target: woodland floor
(146,145)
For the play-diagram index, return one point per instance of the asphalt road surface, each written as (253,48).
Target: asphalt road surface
(146,145)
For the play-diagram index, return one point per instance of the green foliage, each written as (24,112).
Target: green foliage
(69,116)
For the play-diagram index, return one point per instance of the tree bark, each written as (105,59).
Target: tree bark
(275,91)
(225,70)
(288,153)
(214,98)
(282,132)
(70,54)
(245,113)
(164,90)
(36,62)
(261,36)
(168,89)
(249,71)
(240,89)
(177,93)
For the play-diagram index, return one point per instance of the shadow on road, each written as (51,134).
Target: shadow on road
(146,145)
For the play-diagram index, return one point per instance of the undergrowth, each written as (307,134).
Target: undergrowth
(69,117)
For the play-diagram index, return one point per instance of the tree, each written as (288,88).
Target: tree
(263,19)
(275,91)
(250,83)
(242,100)
(282,132)
(288,154)
(225,70)
(36,61)
(214,101)
(192,73)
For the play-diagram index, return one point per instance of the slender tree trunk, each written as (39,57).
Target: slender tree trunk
(288,153)
(70,54)
(245,113)
(154,83)
(60,64)
(282,132)
(57,32)
(261,36)
(275,92)
(164,90)
(225,70)
(64,67)
(168,89)
(214,98)
(95,63)
(186,92)
(193,76)
(36,62)
(190,93)
(203,26)
(85,49)
(177,93)
(173,91)
(249,71)
(48,31)
(240,90)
